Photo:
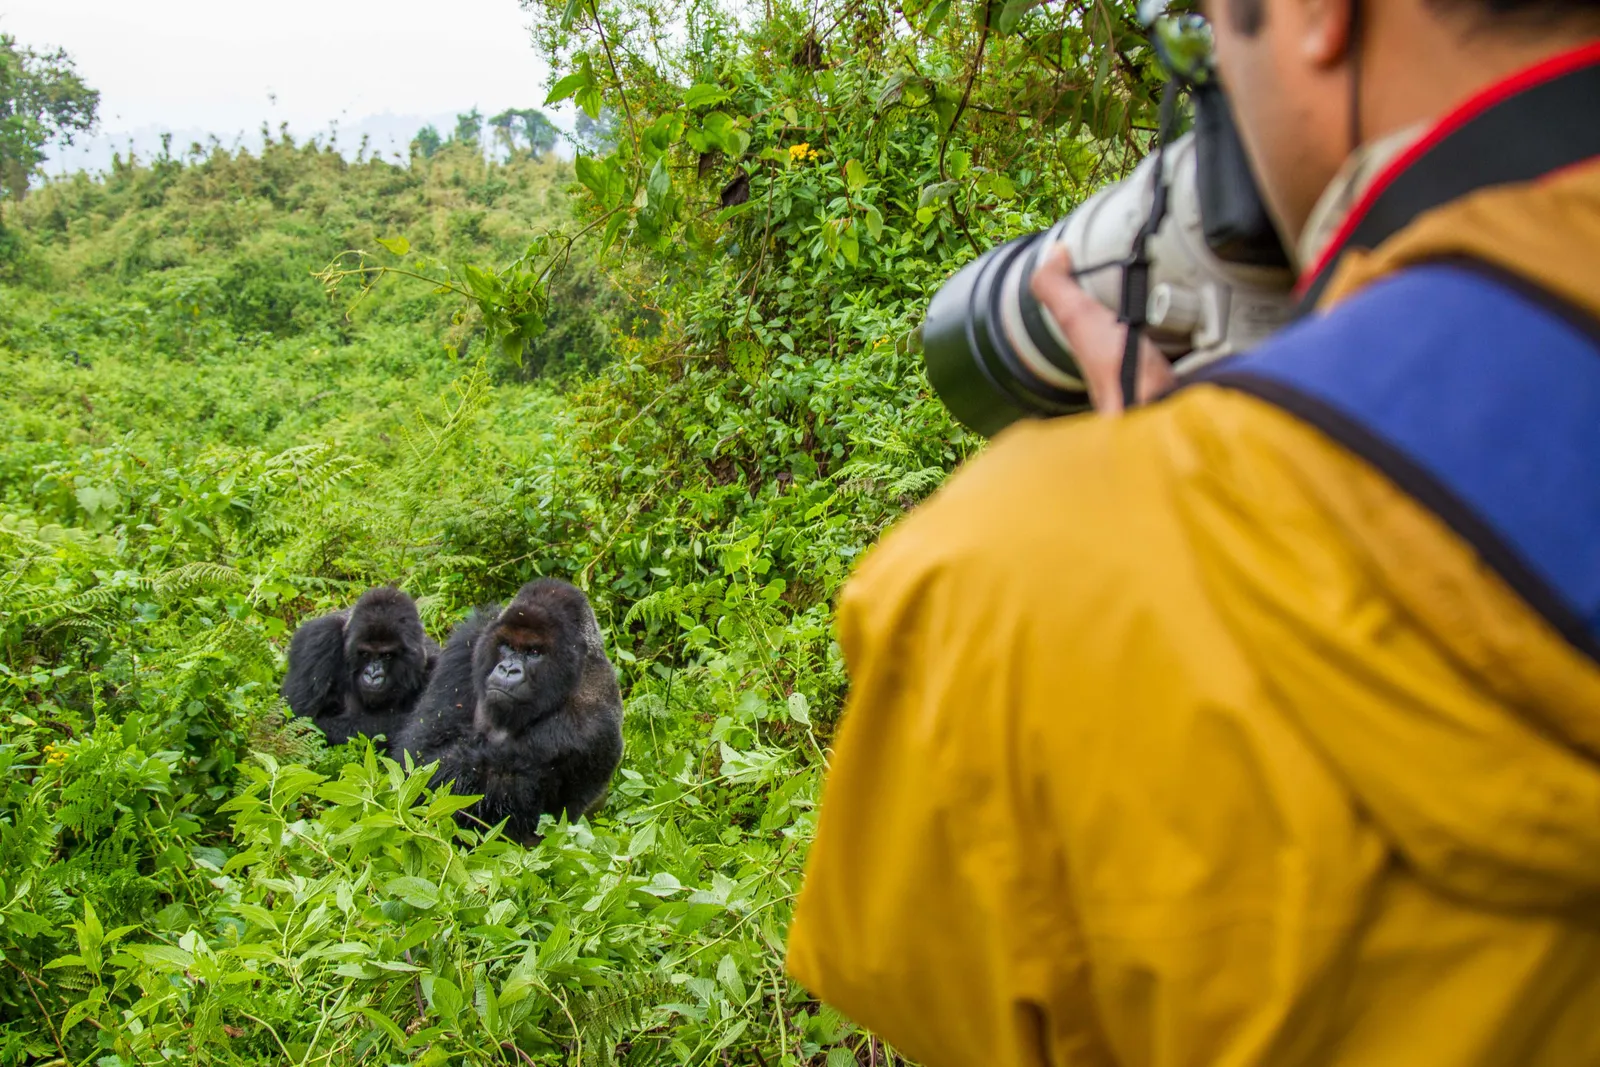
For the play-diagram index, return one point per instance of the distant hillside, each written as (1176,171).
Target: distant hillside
(226,244)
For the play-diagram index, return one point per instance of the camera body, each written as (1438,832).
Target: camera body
(1219,281)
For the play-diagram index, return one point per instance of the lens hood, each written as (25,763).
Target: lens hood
(971,364)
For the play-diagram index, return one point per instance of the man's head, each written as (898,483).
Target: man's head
(1291,66)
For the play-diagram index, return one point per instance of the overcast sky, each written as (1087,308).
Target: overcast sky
(224,66)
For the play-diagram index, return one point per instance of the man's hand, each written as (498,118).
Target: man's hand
(1096,337)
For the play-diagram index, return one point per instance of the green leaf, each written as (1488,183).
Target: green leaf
(443,996)
(720,132)
(387,1025)
(161,958)
(643,840)
(894,89)
(94,499)
(445,804)
(841,1057)
(83,1009)
(613,230)
(959,163)
(569,85)
(487,1005)
(256,915)
(417,892)
(850,244)
(855,176)
(704,95)
(595,174)
(936,193)
(1101,72)
(800,708)
(516,990)
(1012,13)
(398,245)
(659,186)
(569,14)
(874,223)
(590,100)
(999,185)
(728,975)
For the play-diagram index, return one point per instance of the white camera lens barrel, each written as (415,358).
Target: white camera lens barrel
(1173,309)
(1033,332)
(994,355)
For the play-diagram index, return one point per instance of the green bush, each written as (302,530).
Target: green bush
(690,386)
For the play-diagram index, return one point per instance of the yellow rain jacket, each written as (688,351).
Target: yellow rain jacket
(1251,728)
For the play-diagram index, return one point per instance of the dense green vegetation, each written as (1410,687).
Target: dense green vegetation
(679,374)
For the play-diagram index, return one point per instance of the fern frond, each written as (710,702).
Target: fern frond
(193,576)
(607,1014)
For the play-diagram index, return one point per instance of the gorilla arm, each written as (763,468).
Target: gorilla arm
(444,712)
(313,685)
(587,738)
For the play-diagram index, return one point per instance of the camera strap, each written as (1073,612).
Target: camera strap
(1530,125)
(1134,305)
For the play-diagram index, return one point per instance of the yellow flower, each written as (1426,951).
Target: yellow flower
(54,756)
(800,153)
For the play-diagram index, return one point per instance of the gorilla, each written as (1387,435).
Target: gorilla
(524,709)
(360,671)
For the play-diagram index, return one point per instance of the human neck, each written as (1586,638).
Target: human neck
(1437,63)
(1401,100)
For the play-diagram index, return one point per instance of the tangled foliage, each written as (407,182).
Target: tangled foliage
(205,450)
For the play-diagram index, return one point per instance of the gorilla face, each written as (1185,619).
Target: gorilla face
(385,649)
(527,662)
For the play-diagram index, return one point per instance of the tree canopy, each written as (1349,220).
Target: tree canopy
(528,125)
(42,100)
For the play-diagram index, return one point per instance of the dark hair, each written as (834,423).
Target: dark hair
(1246,16)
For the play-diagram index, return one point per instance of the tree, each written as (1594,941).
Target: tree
(530,125)
(597,135)
(469,127)
(42,100)
(426,142)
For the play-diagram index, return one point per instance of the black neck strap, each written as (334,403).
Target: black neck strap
(1528,126)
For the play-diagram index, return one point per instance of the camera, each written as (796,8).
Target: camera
(1183,248)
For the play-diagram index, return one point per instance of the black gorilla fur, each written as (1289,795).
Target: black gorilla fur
(523,709)
(360,671)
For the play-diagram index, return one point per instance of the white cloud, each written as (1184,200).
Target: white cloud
(224,67)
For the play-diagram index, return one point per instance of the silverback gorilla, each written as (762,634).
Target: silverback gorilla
(523,709)
(360,671)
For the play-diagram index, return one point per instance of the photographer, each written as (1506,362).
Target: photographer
(1261,726)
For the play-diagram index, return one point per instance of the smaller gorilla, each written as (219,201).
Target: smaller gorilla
(524,709)
(360,671)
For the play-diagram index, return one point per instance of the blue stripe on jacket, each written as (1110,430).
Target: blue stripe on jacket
(1477,396)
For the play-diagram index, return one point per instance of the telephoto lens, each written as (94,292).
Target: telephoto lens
(995,355)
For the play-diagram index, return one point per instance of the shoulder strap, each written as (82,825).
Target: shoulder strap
(1533,124)
(1477,394)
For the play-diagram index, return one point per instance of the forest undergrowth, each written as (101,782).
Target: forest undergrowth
(681,373)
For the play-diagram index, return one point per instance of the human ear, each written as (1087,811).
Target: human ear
(1324,31)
